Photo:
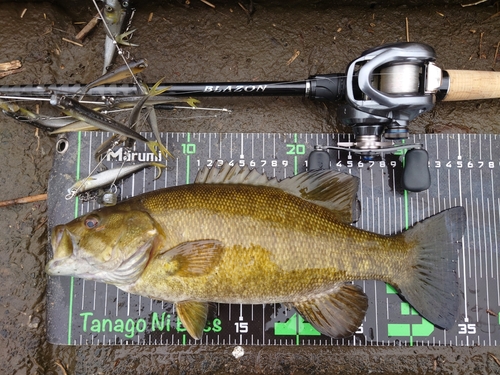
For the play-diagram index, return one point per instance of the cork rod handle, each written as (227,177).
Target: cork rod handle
(472,85)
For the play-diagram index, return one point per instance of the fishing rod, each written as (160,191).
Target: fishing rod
(382,90)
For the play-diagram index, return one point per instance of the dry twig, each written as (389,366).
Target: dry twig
(88,27)
(5,74)
(407,30)
(292,59)
(496,55)
(72,42)
(11,65)
(244,9)
(29,199)
(472,4)
(208,3)
(58,363)
(491,312)
(497,361)
(481,54)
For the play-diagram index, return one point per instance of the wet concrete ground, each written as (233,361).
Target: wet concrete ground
(195,43)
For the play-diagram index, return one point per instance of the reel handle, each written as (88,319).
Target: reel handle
(471,85)
(416,175)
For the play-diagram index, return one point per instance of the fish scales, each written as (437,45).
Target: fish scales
(236,237)
(274,243)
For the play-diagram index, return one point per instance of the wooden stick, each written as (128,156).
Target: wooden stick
(208,3)
(72,42)
(5,74)
(496,55)
(407,30)
(29,199)
(292,59)
(472,4)
(11,65)
(88,27)
(494,358)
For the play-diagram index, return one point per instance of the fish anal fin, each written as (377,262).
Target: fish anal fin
(193,316)
(193,258)
(338,313)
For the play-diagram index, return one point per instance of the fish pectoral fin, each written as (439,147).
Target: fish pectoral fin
(193,316)
(338,313)
(193,258)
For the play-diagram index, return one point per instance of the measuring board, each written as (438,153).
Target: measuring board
(465,170)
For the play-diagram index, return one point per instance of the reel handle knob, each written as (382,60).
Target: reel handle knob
(318,159)
(416,175)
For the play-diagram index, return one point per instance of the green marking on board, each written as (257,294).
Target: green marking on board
(187,159)
(295,150)
(389,289)
(423,329)
(295,166)
(72,279)
(188,149)
(295,326)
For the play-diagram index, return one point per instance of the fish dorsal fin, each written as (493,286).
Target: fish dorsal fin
(333,190)
(235,174)
(192,258)
(193,316)
(338,313)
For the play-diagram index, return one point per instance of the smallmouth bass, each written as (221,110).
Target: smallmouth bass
(236,237)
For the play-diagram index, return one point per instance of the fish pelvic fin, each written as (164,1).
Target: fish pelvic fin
(338,313)
(430,284)
(193,316)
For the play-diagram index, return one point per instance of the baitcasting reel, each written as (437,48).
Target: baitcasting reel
(387,87)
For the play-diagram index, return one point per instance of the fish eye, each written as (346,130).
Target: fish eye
(91,222)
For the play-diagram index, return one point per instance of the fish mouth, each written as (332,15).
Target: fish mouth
(63,245)
(62,242)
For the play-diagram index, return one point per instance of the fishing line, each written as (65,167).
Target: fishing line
(125,158)
(37,98)
(74,192)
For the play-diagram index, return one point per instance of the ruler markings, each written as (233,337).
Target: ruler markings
(94,295)
(83,294)
(419,207)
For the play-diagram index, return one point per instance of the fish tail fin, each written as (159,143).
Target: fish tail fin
(430,284)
